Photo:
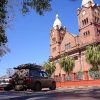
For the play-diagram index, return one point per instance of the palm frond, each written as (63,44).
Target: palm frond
(67,63)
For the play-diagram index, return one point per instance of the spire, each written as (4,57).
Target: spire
(85,3)
(57,22)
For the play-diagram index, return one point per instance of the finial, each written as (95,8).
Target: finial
(57,16)
(57,22)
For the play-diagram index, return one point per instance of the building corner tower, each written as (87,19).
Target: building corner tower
(89,22)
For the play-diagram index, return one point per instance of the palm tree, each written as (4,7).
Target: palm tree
(93,56)
(98,55)
(67,63)
(49,67)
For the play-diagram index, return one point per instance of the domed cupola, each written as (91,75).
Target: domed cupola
(85,3)
(57,22)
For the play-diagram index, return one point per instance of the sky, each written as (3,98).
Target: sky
(29,35)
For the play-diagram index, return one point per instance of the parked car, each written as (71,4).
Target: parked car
(5,84)
(31,78)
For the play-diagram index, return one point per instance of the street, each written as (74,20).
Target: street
(58,94)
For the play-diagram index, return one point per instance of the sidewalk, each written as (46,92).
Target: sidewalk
(78,88)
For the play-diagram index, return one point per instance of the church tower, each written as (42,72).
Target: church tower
(56,37)
(89,22)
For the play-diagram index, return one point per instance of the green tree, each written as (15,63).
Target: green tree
(67,63)
(40,6)
(93,56)
(3,37)
(49,67)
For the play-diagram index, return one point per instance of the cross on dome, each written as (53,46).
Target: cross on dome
(57,16)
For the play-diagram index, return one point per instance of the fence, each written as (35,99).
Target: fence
(78,83)
(86,78)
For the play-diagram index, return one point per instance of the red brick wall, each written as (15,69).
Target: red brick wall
(78,83)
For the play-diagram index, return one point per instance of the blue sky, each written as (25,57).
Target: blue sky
(28,37)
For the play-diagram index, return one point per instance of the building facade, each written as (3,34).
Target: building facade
(64,42)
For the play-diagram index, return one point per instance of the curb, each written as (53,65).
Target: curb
(81,87)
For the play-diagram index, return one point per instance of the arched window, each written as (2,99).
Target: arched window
(67,46)
(84,34)
(54,40)
(86,20)
(97,19)
(82,22)
(88,32)
(98,31)
(54,49)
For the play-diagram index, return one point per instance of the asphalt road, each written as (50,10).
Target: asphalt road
(59,94)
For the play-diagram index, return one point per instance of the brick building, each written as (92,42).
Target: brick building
(64,42)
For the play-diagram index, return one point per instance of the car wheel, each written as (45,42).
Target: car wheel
(53,86)
(8,87)
(37,86)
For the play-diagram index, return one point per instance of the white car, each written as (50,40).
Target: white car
(4,82)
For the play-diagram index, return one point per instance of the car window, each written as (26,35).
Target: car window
(38,73)
(45,74)
(3,81)
(41,75)
(34,73)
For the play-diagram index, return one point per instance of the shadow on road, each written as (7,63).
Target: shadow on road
(92,94)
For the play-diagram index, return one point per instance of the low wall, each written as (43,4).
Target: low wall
(78,83)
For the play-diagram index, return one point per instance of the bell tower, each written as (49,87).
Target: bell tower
(56,37)
(89,22)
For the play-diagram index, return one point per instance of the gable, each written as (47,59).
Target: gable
(69,39)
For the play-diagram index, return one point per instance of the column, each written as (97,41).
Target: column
(86,77)
(63,77)
(73,76)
